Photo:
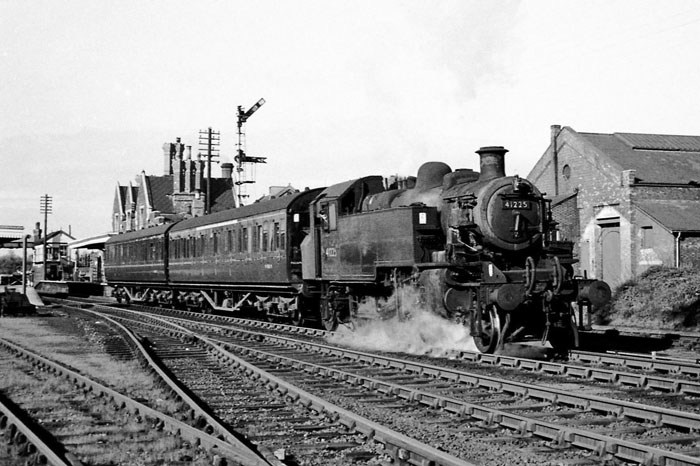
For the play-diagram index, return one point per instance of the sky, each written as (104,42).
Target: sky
(91,89)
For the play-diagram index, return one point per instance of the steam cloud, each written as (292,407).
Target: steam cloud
(422,333)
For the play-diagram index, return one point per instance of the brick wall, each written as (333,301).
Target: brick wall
(566,214)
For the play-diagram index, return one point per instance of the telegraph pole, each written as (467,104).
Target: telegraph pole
(209,142)
(45,207)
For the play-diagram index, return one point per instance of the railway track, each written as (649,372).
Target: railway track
(55,415)
(534,414)
(299,427)
(646,371)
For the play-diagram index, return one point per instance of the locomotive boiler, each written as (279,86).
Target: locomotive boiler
(478,248)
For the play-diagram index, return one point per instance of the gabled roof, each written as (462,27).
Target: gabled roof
(222,197)
(121,192)
(59,235)
(675,215)
(159,189)
(656,158)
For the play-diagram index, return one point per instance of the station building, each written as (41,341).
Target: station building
(629,201)
(177,194)
(54,248)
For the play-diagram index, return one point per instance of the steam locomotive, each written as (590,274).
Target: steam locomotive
(478,248)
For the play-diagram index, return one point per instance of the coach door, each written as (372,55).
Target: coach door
(610,249)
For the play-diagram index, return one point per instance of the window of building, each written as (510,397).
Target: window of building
(566,171)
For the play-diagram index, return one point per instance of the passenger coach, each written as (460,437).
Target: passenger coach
(224,261)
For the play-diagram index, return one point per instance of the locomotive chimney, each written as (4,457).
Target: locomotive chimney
(492,162)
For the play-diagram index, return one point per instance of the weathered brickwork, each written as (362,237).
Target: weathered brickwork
(566,215)
(603,198)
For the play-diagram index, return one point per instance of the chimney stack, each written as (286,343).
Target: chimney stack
(188,171)
(37,232)
(226,170)
(199,174)
(492,163)
(177,167)
(555,130)
(168,152)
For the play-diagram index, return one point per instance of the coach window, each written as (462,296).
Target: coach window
(245,246)
(276,237)
(332,216)
(257,238)
(265,237)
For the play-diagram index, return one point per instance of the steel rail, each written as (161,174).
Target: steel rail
(401,446)
(651,414)
(197,412)
(560,435)
(188,432)
(638,361)
(646,381)
(21,433)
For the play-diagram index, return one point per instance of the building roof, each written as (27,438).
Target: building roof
(157,231)
(222,197)
(94,242)
(676,215)
(122,192)
(160,188)
(656,158)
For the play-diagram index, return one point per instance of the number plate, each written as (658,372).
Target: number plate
(517,205)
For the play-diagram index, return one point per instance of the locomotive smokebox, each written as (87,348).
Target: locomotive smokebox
(492,162)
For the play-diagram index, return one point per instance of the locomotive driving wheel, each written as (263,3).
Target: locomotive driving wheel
(486,328)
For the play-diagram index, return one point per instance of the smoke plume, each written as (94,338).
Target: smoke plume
(419,332)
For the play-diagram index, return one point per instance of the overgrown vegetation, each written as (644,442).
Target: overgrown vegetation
(662,297)
(10,264)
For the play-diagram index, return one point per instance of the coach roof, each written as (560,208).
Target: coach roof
(258,208)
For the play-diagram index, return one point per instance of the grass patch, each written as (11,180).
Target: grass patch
(661,297)
(64,340)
